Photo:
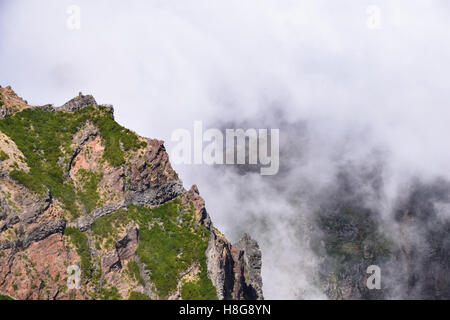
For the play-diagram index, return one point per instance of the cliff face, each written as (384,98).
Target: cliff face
(82,197)
(413,257)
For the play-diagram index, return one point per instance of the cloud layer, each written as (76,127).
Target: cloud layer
(337,90)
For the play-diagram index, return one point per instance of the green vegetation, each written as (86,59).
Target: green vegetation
(138,296)
(114,136)
(80,241)
(133,271)
(170,241)
(110,294)
(3,155)
(89,196)
(107,226)
(196,290)
(5,297)
(45,139)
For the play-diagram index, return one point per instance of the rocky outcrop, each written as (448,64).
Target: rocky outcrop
(85,221)
(252,267)
(227,267)
(5,111)
(78,103)
(36,208)
(151,177)
(37,272)
(157,194)
(81,138)
(111,261)
(193,197)
(235,270)
(220,265)
(43,231)
(10,102)
(37,234)
(126,247)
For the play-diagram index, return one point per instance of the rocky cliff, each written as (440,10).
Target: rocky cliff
(90,210)
(412,252)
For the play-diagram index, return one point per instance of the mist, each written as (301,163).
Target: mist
(346,98)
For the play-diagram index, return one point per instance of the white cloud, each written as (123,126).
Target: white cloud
(164,64)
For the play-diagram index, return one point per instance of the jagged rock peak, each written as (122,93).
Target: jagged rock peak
(10,102)
(78,103)
(253,263)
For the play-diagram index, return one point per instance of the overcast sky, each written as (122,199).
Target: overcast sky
(164,64)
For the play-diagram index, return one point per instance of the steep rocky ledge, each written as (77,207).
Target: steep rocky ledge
(77,190)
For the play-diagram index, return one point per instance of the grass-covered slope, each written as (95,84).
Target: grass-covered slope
(45,140)
(170,241)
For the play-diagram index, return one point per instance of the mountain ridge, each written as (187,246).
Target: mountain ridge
(77,189)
